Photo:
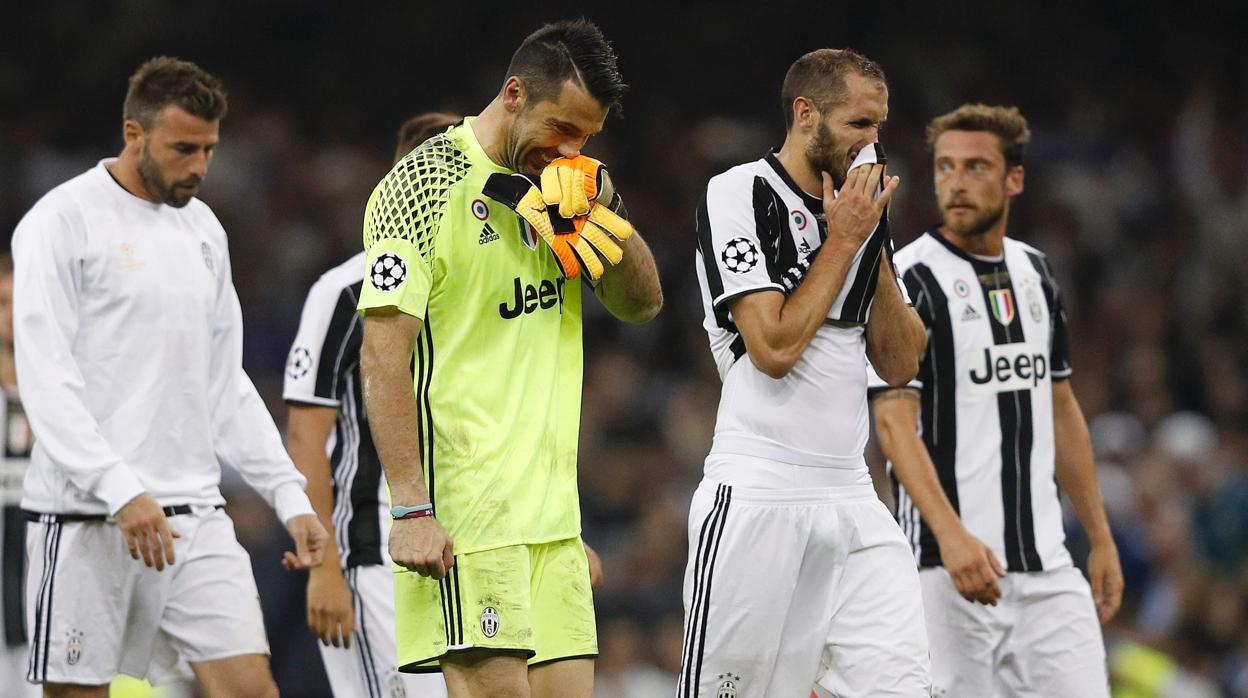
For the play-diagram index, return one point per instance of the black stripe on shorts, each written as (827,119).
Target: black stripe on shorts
(709,537)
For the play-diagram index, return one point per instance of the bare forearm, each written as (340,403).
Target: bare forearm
(895,334)
(1076,469)
(391,405)
(896,412)
(630,290)
(311,460)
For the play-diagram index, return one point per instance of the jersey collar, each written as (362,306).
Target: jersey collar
(980,265)
(476,152)
(814,203)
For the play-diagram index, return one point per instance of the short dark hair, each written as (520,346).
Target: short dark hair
(820,77)
(1007,123)
(421,128)
(163,81)
(6,264)
(570,50)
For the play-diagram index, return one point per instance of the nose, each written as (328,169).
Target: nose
(571,148)
(199,163)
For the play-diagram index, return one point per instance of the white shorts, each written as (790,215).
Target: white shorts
(1041,639)
(369,669)
(93,612)
(789,587)
(12,668)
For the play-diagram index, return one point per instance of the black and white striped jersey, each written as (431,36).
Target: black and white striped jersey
(996,342)
(324,369)
(758,231)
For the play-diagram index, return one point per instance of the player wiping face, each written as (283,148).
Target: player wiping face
(849,127)
(544,130)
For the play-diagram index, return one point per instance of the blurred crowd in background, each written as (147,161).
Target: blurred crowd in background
(1136,187)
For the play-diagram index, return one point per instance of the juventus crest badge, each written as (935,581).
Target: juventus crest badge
(728,685)
(74,645)
(489,621)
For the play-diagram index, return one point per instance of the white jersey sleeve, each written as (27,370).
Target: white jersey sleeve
(323,344)
(48,247)
(245,436)
(734,247)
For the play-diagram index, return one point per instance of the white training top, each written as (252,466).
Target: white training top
(758,231)
(129,356)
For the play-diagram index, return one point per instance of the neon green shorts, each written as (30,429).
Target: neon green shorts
(530,600)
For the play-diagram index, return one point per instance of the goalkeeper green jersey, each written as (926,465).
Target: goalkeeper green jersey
(498,362)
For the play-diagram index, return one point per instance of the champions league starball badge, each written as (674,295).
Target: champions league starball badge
(739,255)
(388,272)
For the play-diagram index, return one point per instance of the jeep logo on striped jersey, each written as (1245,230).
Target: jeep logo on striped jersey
(489,621)
(1009,367)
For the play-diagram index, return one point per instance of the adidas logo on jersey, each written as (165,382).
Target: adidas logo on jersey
(969,314)
(487,235)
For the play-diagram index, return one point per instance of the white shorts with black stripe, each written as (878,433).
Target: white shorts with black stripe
(1041,639)
(369,668)
(93,612)
(789,588)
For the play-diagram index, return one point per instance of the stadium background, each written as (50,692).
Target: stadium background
(1137,186)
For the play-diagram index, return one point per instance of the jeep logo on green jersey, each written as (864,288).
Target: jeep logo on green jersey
(529,298)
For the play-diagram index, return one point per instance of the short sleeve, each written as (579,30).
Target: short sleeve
(728,241)
(1059,349)
(401,224)
(323,347)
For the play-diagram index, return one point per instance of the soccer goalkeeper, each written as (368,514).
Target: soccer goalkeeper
(477,273)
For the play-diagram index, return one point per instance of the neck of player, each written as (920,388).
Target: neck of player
(490,129)
(990,243)
(792,157)
(126,172)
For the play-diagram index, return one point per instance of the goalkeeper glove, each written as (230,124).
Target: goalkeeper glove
(580,241)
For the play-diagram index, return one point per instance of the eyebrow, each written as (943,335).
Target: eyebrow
(569,126)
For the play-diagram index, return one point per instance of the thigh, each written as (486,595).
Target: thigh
(963,637)
(243,676)
(564,625)
(483,605)
(475,674)
(213,610)
(744,560)
(1056,647)
(877,644)
(370,666)
(88,604)
(570,678)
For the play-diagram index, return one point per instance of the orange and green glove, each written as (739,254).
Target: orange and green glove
(580,241)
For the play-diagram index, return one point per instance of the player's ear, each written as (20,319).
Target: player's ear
(515,93)
(132,131)
(805,114)
(1014,181)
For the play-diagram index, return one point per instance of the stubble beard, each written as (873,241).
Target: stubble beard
(980,225)
(155,184)
(821,155)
